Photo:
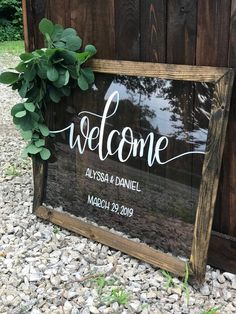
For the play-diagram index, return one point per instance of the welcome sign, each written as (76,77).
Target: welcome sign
(136,160)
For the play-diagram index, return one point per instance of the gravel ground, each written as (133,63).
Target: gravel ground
(48,270)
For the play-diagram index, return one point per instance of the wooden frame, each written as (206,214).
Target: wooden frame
(223,80)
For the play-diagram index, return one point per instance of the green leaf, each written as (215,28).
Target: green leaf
(8,77)
(24,88)
(26,123)
(30,73)
(52,74)
(44,129)
(50,52)
(16,121)
(35,116)
(42,68)
(20,114)
(35,136)
(73,43)
(27,135)
(68,32)
(21,67)
(68,56)
(17,108)
(82,82)
(29,106)
(72,71)
(59,44)
(40,143)
(57,32)
(63,76)
(66,90)
(24,153)
(45,154)
(90,49)
(38,53)
(67,77)
(26,56)
(46,26)
(55,95)
(89,75)
(32,149)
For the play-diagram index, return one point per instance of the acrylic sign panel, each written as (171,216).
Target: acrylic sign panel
(128,155)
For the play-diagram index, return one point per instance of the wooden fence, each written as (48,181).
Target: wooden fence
(201,32)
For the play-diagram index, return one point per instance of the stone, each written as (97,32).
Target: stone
(229,276)
(151,294)
(173,298)
(205,290)
(221,278)
(35,277)
(135,306)
(67,306)
(93,310)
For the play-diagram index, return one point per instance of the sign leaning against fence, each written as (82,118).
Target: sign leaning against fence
(139,154)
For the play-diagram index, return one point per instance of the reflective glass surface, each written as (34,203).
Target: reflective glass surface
(128,155)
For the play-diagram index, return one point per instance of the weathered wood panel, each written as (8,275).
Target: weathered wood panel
(153,31)
(213,32)
(94,21)
(142,30)
(127,29)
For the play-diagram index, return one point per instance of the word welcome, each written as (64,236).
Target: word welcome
(93,138)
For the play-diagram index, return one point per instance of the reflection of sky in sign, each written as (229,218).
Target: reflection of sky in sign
(162,118)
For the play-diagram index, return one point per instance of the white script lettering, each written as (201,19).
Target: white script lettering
(93,138)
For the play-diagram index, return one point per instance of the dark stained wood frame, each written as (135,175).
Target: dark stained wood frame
(223,80)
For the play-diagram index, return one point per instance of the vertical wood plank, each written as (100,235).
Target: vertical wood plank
(95,23)
(212,49)
(227,192)
(211,173)
(181,31)
(127,28)
(58,11)
(25,24)
(153,30)
(213,32)
(181,49)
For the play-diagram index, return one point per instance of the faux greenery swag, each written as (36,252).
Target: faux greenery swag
(47,75)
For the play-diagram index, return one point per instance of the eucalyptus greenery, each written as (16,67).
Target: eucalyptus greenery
(47,75)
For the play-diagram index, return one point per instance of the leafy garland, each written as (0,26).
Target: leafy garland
(47,75)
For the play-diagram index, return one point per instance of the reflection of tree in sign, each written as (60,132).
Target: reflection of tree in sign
(190,105)
(140,85)
(134,116)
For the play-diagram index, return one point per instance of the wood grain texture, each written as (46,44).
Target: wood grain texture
(181,31)
(58,11)
(161,70)
(39,173)
(228,195)
(210,173)
(227,244)
(225,211)
(138,250)
(153,30)
(213,32)
(216,45)
(95,23)
(25,24)
(127,28)
(232,36)
(181,49)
